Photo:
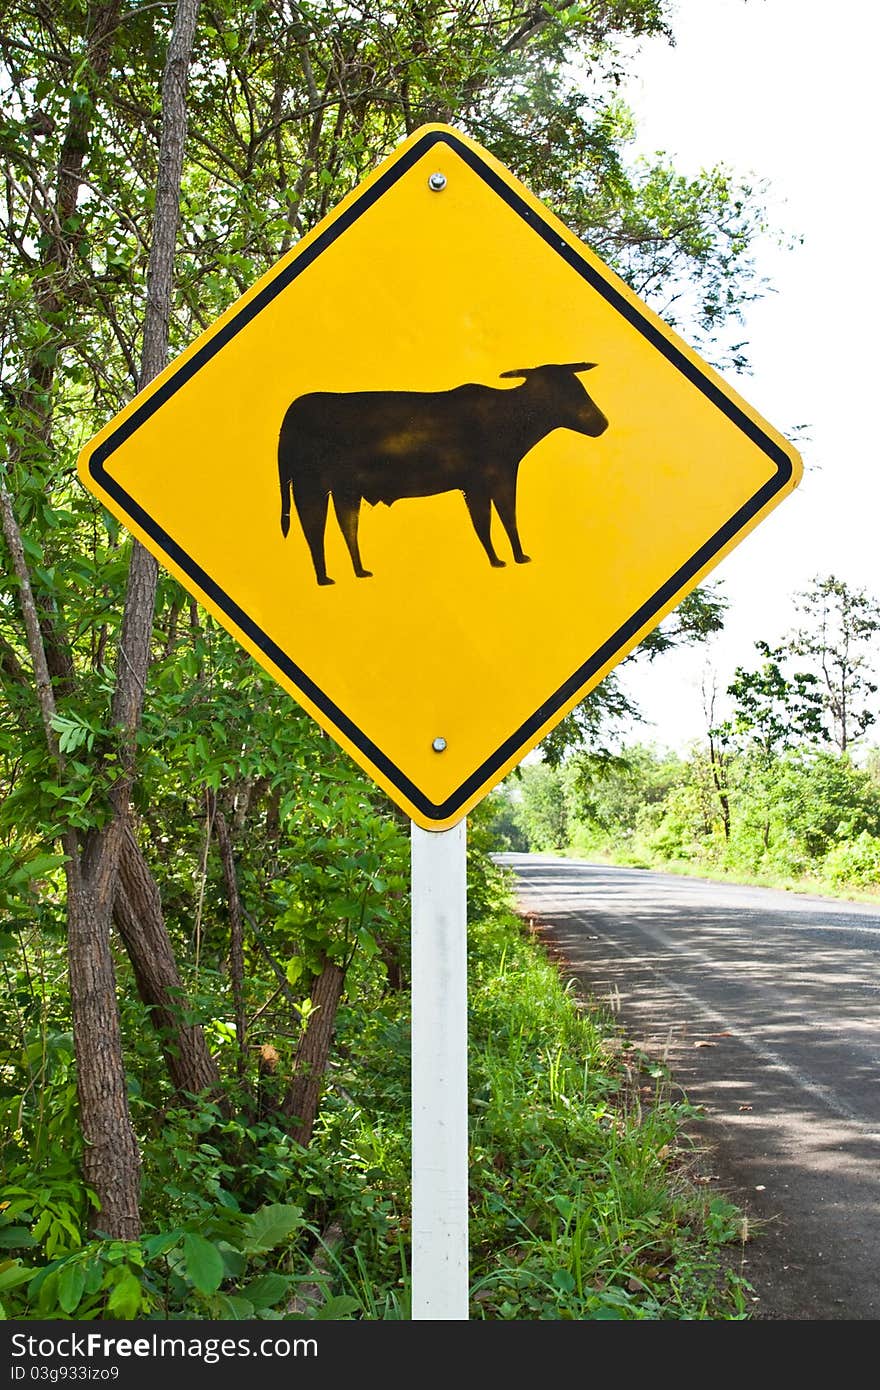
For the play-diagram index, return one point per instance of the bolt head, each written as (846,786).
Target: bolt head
(437,182)
(439,745)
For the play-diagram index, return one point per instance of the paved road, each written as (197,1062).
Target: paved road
(765,1004)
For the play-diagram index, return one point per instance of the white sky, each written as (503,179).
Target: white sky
(785,90)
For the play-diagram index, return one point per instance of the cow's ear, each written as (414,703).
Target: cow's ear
(552,367)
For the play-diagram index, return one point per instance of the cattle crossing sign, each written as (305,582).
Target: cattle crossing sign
(439,470)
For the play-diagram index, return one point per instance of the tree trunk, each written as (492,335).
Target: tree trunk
(313,1053)
(716,762)
(111,1161)
(137,912)
(100,860)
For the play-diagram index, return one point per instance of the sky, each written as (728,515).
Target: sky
(784,91)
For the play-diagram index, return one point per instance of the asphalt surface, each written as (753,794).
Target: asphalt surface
(764,1005)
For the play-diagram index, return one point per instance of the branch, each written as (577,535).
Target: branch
(42,678)
(276,968)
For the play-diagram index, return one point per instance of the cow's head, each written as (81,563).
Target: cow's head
(566,400)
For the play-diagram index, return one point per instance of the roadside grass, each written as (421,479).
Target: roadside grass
(584,1199)
(638,857)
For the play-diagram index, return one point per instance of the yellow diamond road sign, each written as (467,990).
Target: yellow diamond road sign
(439,470)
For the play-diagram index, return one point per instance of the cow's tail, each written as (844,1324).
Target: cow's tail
(284,479)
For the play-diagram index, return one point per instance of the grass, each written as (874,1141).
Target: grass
(584,1199)
(639,857)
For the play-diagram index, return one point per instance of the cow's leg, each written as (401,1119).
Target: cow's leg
(479,506)
(504,498)
(348,507)
(311,508)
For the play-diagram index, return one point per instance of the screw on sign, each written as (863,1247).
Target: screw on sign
(478,424)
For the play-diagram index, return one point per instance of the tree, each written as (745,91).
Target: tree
(540,806)
(502,824)
(618,796)
(840,637)
(110,1155)
(772,712)
(718,736)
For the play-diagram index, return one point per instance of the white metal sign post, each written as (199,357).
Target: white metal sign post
(439,1074)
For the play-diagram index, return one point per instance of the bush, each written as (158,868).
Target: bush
(856,862)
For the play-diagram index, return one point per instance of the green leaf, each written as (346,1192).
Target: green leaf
(234,1262)
(71,1283)
(93,1273)
(266,1291)
(269,1226)
(202,1263)
(48,1292)
(337,1308)
(235,1307)
(42,863)
(16,1238)
(367,943)
(125,1297)
(161,1244)
(14,1273)
(31,547)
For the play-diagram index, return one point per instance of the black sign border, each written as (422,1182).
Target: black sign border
(526,732)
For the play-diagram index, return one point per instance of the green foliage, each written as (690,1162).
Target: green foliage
(825,800)
(581,1206)
(801,812)
(505,829)
(773,711)
(770,792)
(855,861)
(177,1273)
(619,792)
(536,806)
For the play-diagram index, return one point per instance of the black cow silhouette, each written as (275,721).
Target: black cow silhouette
(381,446)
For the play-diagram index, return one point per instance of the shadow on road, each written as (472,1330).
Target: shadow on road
(763,1005)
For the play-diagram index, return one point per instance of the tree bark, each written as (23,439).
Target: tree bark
(719,780)
(111,1154)
(111,1160)
(137,912)
(313,1053)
